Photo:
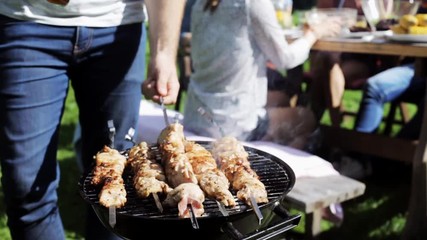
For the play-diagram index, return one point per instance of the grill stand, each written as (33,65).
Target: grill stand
(277,222)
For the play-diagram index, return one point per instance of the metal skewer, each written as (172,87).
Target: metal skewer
(157,201)
(222,209)
(129,135)
(193,218)
(176,118)
(209,117)
(165,114)
(112,216)
(111,209)
(112,131)
(256,208)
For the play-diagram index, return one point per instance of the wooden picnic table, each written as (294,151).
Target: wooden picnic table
(416,224)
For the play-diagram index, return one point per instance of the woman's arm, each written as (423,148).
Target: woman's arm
(270,37)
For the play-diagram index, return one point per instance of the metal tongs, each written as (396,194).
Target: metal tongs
(165,114)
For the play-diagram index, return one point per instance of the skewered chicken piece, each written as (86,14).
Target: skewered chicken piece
(179,171)
(108,171)
(183,195)
(149,177)
(176,164)
(232,158)
(212,180)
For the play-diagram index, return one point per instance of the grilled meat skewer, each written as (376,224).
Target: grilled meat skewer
(149,177)
(179,171)
(232,159)
(108,171)
(177,167)
(212,181)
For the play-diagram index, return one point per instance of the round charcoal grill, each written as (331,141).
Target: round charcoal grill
(140,215)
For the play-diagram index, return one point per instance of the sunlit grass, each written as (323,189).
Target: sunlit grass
(4,231)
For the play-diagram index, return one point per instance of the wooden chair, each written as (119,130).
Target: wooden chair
(396,107)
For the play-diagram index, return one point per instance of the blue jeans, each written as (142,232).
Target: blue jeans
(37,62)
(385,87)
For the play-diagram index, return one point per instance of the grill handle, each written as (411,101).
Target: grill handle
(287,223)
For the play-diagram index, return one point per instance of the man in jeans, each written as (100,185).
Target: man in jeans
(96,45)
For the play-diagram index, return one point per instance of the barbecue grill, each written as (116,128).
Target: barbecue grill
(139,216)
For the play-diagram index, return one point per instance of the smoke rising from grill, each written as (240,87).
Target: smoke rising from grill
(290,126)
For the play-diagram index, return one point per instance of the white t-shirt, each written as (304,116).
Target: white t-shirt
(90,13)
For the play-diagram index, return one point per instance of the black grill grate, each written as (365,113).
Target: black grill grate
(276,175)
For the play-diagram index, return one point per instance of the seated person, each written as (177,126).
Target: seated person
(332,72)
(231,43)
(387,86)
(397,83)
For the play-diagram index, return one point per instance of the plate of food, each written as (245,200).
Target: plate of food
(361,34)
(410,28)
(414,38)
(361,29)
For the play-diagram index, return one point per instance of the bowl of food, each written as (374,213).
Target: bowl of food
(347,16)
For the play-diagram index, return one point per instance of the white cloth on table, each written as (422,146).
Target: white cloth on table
(302,163)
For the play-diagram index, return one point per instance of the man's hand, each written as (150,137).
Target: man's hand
(165,22)
(162,80)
